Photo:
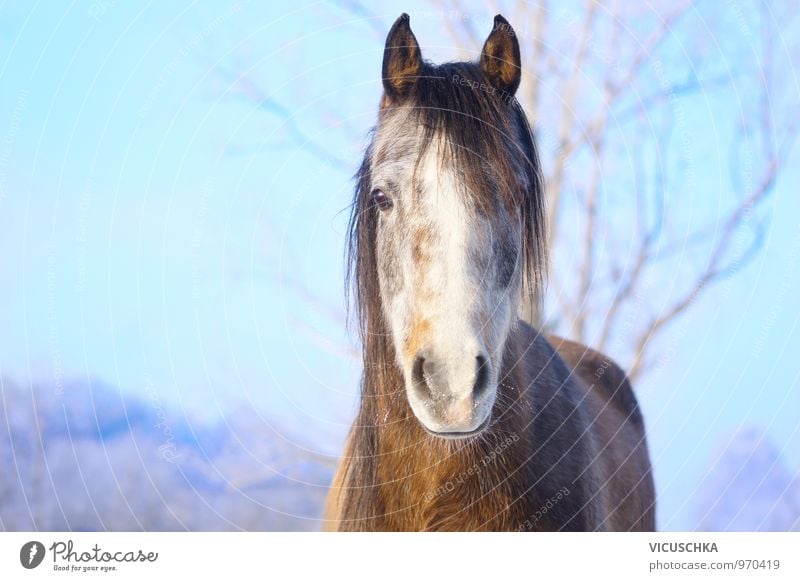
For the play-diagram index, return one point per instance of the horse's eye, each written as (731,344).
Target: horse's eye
(381,200)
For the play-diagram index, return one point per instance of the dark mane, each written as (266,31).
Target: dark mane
(492,146)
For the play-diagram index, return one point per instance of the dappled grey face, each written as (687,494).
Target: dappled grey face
(448,234)
(449,276)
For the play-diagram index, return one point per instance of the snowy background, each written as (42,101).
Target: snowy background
(174,353)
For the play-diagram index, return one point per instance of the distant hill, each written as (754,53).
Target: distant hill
(748,487)
(90,458)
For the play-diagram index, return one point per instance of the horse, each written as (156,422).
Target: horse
(469,418)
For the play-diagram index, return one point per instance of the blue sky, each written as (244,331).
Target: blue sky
(155,228)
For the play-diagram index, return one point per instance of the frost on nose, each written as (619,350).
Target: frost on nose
(450,387)
(461,411)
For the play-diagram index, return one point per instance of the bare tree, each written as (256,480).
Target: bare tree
(642,220)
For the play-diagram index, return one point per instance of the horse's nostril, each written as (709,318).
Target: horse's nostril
(481,377)
(418,379)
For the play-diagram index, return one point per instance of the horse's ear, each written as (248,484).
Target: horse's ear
(402,60)
(500,60)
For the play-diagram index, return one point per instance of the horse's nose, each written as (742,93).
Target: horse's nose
(451,393)
(435,384)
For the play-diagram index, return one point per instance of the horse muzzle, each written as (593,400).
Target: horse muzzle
(450,400)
